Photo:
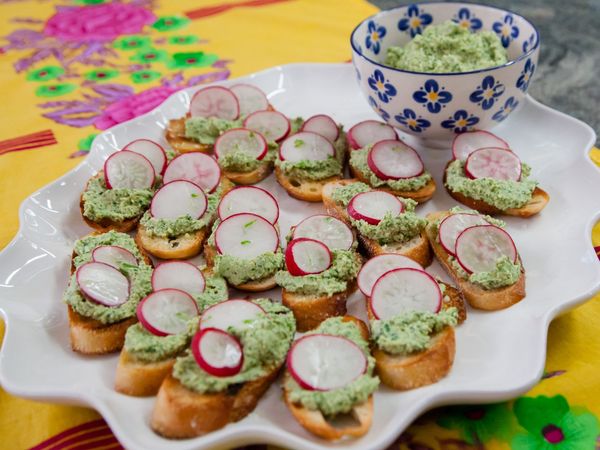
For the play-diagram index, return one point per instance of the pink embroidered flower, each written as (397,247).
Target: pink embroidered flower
(133,106)
(98,23)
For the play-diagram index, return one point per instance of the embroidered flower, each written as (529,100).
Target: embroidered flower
(381,86)
(132,42)
(150,55)
(487,94)
(528,44)
(432,96)
(409,119)
(461,121)
(192,59)
(467,20)
(506,30)
(374,34)
(55,90)
(144,76)
(526,75)
(100,75)
(170,23)
(183,40)
(45,73)
(414,21)
(479,423)
(383,113)
(509,105)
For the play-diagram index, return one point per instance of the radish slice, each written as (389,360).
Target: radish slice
(306,146)
(332,232)
(196,167)
(249,199)
(128,170)
(322,362)
(466,143)
(273,125)
(113,255)
(250,98)
(392,160)
(480,247)
(167,311)
(237,314)
(323,125)
(243,140)
(375,267)
(152,151)
(402,290)
(451,227)
(305,256)
(372,206)
(370,132)
(180,275)
(215,101)
(217,352)
(178,198)
(246,236)
(492,162)
(102,284)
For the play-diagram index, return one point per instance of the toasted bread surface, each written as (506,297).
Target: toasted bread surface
(181,247)
(252,177)
(139,378)
(175,136)
(307,190)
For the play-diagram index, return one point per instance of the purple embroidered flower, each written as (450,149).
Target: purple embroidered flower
(461,121)
(526,75)
(409,119)
(432,96)
(503,112)
(381,86)
(414,21)
(506,30)
(487,94)
(467,20)
(374,35)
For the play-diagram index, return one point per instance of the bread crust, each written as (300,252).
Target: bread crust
(307,190)
(139,378)
(477,297)
(252,177)
(175,136)
(182,247)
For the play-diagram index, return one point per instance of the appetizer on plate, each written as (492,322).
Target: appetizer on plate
(391,165)
(369,132)
(235,355)
(110,275)
(488,176)
(384,222)
(329,383)
(479,255)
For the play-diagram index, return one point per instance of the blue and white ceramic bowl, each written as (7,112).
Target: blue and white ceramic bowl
(436,106)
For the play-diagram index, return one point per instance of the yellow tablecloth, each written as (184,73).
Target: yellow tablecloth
(66,74)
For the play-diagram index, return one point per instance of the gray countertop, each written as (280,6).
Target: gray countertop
(568,75)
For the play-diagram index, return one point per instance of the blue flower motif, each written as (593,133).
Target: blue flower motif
(414,21)
(383,113)
(461,121)
(526,75)
(381,86)
(509,105)
(409,119)
(487,94)
(374,34)
(358,75)
(528,44)
(467,20)
(506,30)
(432,96)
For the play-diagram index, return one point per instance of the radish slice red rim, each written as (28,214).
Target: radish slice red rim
(152,151)
(128,170)
(323,362)
(102,284)
(236,313)
(246,236)
(451,227)
(375,267)
(217,352)
(113,255)
(479,248)
(215,101)
(323,125)
(403,290)
(273,125)
(466,143)
(196,167)
(370,132)
(241,140)
(250,98)
(178,198)
(306,146)
(180,275)
(167,311)
(332,232)
(393,160)
(305,256)
(249,199)
(493,162)
(372,206)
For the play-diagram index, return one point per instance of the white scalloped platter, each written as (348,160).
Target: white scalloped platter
(499,355)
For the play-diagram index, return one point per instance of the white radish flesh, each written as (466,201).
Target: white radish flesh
(218,353)
(152,151)
(306,146)
(273,125)
(102,284)
(370,132)
(167,311)
(180,275)
(246,236)
(236,313)
(332,232)
(466,143)
(479,248)
(323,125)
(196,167)
(178,198)
(372,206)
(128,170)
(215,101)
(393,160)
(241,140)
(305,256)
(375,267)
(451,227)
(113,255)
(496,163)
(249,199)
(250,98)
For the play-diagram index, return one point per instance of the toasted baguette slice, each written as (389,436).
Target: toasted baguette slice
(416,249)
(176,138)
(138,378)
(92,337)
(252,177)
(307,190)
(420,196)
(182,247)
(487,299)
(180,413)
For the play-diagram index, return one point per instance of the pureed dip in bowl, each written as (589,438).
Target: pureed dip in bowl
(436,69)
